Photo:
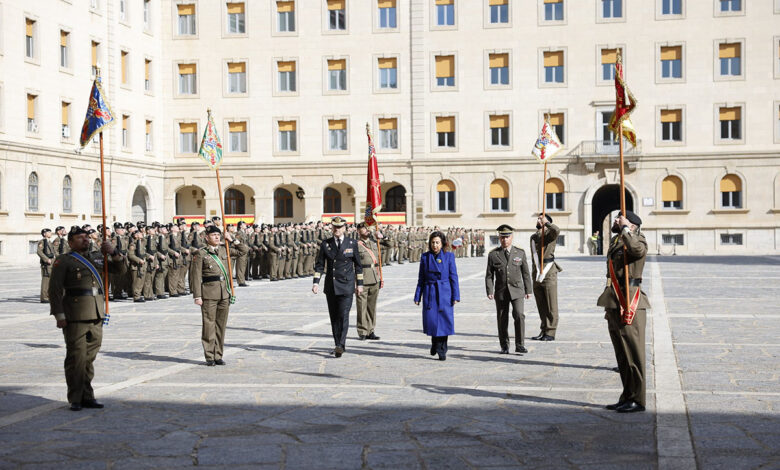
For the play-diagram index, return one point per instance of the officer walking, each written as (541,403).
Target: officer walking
(546,283)
(626,332)
(507,280)
(76,292)
(46,255)
(210,286)
(340,261)
(366,302)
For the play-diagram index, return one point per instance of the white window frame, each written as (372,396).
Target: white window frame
(178,81)
(68,67)
(487,15)
(542,14)
(275,31)
(378,74)
(192,23)
(742,127)
(543,72)
(599,66)
(149,138)
(659,142)
(278,150)
(488,71)
(600,18)
(742,62)
(277,76)
(661,16)
(327,75)
(328,137)
(227,19)
(659,78)
(433,17)
(378,28)
(126,135)
(489,146)
(147,15)
(179,146)
(243,142)
(229,77)
(547,111)
(326,19)
(434,80)
(603,146)
(717,11)
(34,47)
(378,142)
(33,127)
(435,137)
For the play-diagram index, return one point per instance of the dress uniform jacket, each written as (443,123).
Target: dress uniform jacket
(74,289)
(437,288)
(636,247)
(209,283)
(337,264)
(46,255)
(508,277)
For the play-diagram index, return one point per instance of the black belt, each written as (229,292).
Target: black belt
(213,278)
(83,292)
(631,282)
(369,265)
(549,260)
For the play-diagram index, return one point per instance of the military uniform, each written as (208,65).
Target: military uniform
(627,340)
(46,254)
(366,301)
(76,292)
(546,292)
(137,257)
(209,283)
(175,262)
(507,279)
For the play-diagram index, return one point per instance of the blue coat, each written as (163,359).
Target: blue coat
(437,287)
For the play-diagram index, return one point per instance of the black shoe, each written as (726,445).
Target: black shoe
(630,407)
(164,296)
(615,406)
(219,362)
(110,298)
(75,407)
(433,350)
(91,404)
(504,351)
(538,337)
(210,363)
(174,295)
(548,338)
(442,357)
(243,285)
(338,351)
(139,299)
(521,349)
(361,337)
(44,301)
(372,336)
(123,297)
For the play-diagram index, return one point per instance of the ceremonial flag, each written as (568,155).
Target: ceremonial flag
(99,114)
(210,145)
(373,185)
(624,105)
(548,144)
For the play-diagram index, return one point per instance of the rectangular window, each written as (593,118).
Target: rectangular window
(125,131)
(671,62)
(94,47)
(32,247)
(387,14)
(555,201)
(730,123)
(607,136)
(148,136)
(499,11)
(32,124)
(608,61)
(188,79)
(64,39)
(730,5)
(236,18)
(731,199)
(612,8)
(561,240)
(287,142)
(672,239)
(186,19)
(65,120)
(445,70)
(730,238)
(672,204)
(499,130)
(29,44)
(553,67)
(147,14)
(337,15)
(237,136)
(445,131)
(553,10)
(124,64)
(123,10)
(285,12)
(337,133)
(557,123)
(446,201)
(388,73)
(388,133)
(499,204)
(671,7)
(236,77)
(187,135)
(499,69)
(337,74)
(286,71)
(730,59)
(147,75)
(445,12)
(671,125)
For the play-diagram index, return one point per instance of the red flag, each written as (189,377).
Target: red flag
(373,185)
(624,105)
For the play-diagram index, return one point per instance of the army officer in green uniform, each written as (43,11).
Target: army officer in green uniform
(627,335)
(210,286)
(76,293)
(366,302)
(507,281)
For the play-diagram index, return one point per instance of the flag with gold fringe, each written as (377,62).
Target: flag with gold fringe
(99,115)
(210,146)
(548,144)
(373,185)
(624,105)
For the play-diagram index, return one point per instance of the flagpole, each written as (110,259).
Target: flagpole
(623,209)
(544,216)
(224,227)
(379,250)
(103,215)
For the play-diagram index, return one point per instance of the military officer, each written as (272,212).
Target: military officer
(546,283)
(76,292)
(118,281)
(210,286)
(507,280)
(46,255)
(175,261)
(372,282)
(627,333)
(340,261)
(60,242)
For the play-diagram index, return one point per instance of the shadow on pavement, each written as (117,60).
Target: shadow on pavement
(142,356)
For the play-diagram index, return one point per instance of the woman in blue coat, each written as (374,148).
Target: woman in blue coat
(437,287)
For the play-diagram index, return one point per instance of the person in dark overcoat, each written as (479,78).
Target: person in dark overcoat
(437,288)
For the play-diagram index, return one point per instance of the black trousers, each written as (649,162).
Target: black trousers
(502,318)
(439,344)
(338,308)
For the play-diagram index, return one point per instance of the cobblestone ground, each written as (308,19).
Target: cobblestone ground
(283,402)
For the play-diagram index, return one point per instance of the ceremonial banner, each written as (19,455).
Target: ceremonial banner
(548,144)
(99,114)
(210,146)
(624,105)
(373,185)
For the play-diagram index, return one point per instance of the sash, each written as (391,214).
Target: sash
(369,250)
(225,274)
(91,268)
(626,316)
(535,258)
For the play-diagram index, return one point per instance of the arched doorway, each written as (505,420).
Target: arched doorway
(140,200)
(395,199)
(331,201)
(191,201)
(605,203)
(338,199)
(235,202)
(283,205)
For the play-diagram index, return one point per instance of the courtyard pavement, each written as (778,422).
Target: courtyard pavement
(283,402)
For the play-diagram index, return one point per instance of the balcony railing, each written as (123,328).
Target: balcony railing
(602,148)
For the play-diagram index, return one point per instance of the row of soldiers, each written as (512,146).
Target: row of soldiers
(158,256)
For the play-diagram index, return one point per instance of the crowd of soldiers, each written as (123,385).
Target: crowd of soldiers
(157,256)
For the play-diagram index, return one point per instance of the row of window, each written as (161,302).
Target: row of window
(678,239)
(67,194)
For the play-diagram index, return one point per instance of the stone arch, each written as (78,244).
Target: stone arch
(190,200)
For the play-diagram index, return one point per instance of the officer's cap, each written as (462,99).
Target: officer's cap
(141,224)
(59,227)
(91,231)
(505,230)
(194,223)
(216,217)
(118,225)
(75,230)
(547,216)
(45,230)
(338,222)
(633,218)
(361,225)
(212,229)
